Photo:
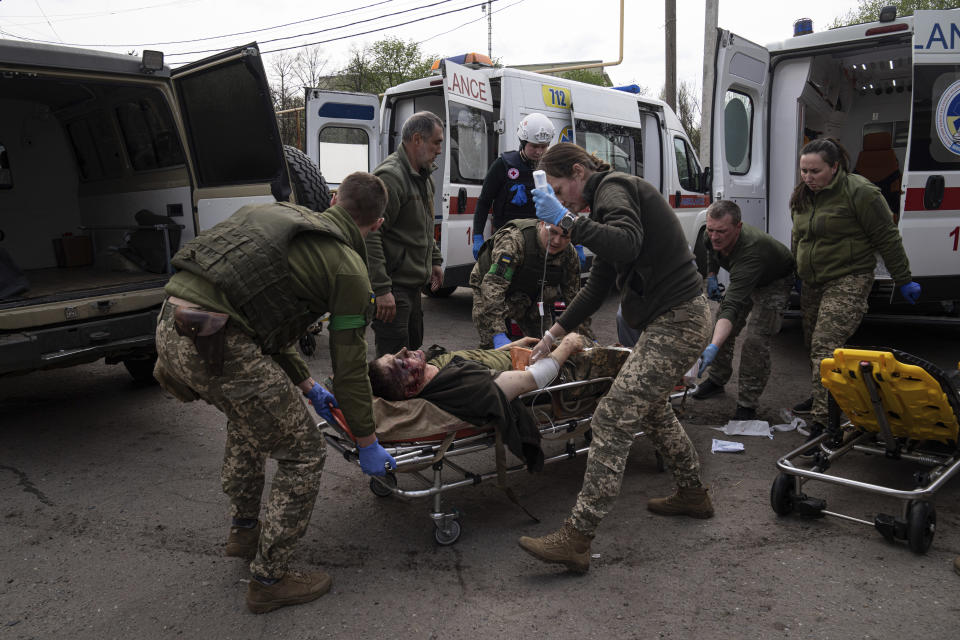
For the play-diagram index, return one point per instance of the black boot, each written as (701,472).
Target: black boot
(707,389)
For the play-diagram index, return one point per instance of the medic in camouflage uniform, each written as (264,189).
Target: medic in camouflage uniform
(640,248)
(761,276)
(506,280)
(246,290)
(508,185)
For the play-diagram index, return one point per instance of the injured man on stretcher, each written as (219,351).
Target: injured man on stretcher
(477,386)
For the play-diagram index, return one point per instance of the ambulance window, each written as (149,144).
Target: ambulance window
(687,169)
(96,146)
(737,124)
(343,150)
(617,145)
(470,133)
(935,138)
(148,135)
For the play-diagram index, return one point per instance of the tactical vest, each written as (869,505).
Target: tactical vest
(515,199)
(528,277)
(245,256)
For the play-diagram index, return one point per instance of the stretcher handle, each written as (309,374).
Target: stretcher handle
(341,421)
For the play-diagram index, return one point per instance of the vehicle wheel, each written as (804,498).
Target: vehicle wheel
(782,494)
(376,485)
(448,537)
(309,187)
(141,369)
(308,344)
(442,292)
(921,525)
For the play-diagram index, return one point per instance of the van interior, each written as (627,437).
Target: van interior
(860,96)
(94,190)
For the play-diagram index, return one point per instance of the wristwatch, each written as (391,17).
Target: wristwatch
(566,222)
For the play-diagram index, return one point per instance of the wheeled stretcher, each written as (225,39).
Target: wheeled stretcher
(430,445)
(898,407)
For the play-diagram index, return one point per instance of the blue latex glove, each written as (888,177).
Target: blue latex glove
(706,358)
(477,242)
(713,288)
(549,208)
(373,459)
(911,291)
(321,399)
(499,340)
(581,255)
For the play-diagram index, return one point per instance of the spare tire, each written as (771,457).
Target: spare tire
(309,187)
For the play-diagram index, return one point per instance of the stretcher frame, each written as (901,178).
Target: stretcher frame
(437,456)
(879,431)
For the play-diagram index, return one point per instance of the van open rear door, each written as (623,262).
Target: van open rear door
(930,220)
(739,138)
(232,135)
(343,132)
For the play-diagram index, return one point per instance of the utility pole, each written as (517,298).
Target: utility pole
(489,29)
(709,65)
(670,35)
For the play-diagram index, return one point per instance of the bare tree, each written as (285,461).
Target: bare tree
(688,110)
(309,66)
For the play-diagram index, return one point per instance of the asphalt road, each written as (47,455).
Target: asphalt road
(112,524)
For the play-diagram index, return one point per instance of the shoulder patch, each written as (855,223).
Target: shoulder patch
(503,267)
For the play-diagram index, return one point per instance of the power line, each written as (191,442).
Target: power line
(354,35)
(48,20)
(228,35)
(312,33)
(437,35)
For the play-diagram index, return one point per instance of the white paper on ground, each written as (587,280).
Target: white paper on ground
(790,421)
(725,446)
(746,428)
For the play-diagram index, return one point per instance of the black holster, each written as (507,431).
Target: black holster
(207,329)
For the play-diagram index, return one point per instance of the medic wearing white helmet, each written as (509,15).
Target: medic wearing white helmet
(508,184)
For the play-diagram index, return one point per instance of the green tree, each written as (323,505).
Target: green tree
(386,63)
(688,110)
(869,10)
(589,76)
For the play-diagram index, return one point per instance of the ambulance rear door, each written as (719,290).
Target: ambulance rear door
(739,136)
(930,220)
(468,97)
(343,132)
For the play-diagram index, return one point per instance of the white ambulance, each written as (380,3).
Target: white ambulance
(481,107)
(890,92)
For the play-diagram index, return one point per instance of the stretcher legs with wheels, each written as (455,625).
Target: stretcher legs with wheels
(902,411)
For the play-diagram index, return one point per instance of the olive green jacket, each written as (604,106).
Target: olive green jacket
(838,230)
(402,252)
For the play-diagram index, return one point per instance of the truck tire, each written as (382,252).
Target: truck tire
(309,187)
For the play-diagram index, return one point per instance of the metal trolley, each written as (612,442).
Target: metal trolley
(898,407)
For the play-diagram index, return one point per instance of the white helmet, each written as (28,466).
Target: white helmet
(536,128)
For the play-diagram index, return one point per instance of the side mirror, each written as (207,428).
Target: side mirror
(462,200)
(706,180)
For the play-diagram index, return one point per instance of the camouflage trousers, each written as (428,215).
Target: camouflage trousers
(526,313)
(762,322)
(266,416)
(639,401)
(831,314)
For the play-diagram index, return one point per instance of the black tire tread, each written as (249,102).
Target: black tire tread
(309,187)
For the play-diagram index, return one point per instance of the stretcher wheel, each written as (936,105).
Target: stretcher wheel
(782,494)
(376,485)
(921,525)
(448,536)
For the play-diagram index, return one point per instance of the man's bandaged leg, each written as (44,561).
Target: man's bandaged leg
(544,371)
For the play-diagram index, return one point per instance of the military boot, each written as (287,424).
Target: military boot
(687,501)
(295,587)
(242,542)
(567,546)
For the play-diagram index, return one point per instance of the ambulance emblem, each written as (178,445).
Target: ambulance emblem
(947,118)
(513,173)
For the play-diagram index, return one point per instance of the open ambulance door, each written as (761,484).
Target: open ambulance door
(739,135)
(343,132)
(232,137)
(930,218)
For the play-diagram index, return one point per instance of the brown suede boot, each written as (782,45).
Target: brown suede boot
(295,587)
(567,546)
(687,501)
(242,542)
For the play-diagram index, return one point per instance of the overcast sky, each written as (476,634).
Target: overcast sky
(524,31)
